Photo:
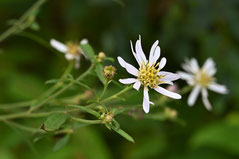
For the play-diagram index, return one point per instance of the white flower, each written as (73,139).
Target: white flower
(149,74)
(71,50)
(202,79)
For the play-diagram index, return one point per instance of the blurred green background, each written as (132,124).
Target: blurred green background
(185,28)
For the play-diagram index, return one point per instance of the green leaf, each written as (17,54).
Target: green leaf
(99,71)
(35,26)
(125,135)
(52,81)
(61,143)
(110,59)
(88,110)
(89,52)
(55,121)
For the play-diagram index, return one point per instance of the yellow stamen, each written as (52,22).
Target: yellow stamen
(73,48)
(148,75)
(203,78)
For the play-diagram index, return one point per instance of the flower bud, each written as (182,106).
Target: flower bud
(173,88)
(170,113)
(109,72)
(107,117)
(101,56)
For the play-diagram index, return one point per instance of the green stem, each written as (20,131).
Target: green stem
(105,88)
(25,128)
(117,94)
(34,115)
(63,89)
(21,20)
(15,105)
(85,86)
(185,90)
(36,39)
(43,114)
(87,109)
(35,106)
(86,121)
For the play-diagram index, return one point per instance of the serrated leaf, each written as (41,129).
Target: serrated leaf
(125,135)
(99,71)
(55,121)
(61,143)
(89,52)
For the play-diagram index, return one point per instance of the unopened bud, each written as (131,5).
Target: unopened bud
(101,56)
(109,72)
(107,117)
(173,88)
(171,113)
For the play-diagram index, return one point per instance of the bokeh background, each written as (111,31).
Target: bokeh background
(184,28)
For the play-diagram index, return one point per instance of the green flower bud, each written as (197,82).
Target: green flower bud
(107,117)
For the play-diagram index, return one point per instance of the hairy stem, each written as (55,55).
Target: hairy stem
(63,89)
(21,20)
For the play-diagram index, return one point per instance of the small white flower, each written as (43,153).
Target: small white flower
(149,74)
(202,79)
(71,50)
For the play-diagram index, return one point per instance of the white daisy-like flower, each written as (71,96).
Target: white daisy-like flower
(202,79)
(71,50)
(149,74)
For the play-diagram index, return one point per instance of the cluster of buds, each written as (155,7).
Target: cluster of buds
(107,117)
(109,72)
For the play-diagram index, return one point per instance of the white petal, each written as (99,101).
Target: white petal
(185,76)
(218,88)
(209,67)
(209,63)
(128,80)
(168,93)
(130,69)
(151,54)
(58,45)
(168,76)
(146,101)
(137,85)
(205,99)
(69,56)
(156,54)
(167,82)
(162,63)
(139,50)
(194,65)
(135,55)
(165,73)
(171,77)
(193,95)
(83,41)
(191,66)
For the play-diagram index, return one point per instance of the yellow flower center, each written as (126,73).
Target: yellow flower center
(73,48)
(148,75)
(203,78)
